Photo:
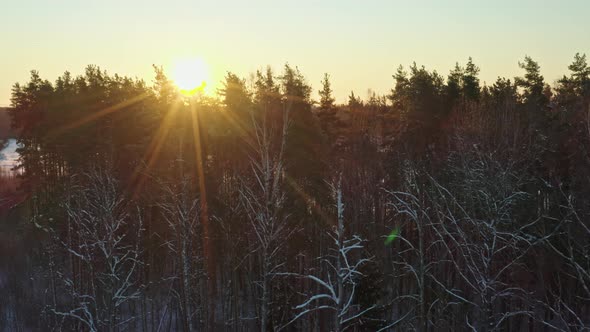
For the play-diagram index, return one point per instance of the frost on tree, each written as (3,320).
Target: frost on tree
(338,287)
(102,241)
(263,197)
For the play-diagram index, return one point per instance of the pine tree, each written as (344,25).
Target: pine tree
(238,103)
(471,88)
(399,94)
(354,102)
(326,98)
(532,83)
(454,85)
(580,74)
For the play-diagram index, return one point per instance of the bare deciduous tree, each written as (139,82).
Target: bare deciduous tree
(573,247)
(483,242)
(264,199)
(105,245)
(338,287)
(181,212)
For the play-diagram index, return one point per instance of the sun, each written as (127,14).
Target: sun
(190,75)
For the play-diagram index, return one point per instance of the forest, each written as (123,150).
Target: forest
(446,204)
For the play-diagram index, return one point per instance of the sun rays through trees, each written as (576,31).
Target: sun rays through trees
(448,204)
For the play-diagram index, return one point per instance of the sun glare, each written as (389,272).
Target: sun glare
(191,75)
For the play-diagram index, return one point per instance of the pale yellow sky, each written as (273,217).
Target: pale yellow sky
(359,43)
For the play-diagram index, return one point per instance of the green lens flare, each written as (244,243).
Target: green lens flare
(392,236)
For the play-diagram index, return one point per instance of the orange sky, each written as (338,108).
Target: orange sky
(359,43)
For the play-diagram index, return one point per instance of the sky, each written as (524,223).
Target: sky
(359,43)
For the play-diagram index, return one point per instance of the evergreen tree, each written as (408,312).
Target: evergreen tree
(354,102)
(238,102)
(399,94)
(580,75)
(573,91)
(326,98)
(471,88)
(267,99)
(306,149)
(454,85)
(532,83)
(327,110)
(234,93)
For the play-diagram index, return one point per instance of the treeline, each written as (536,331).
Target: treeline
(444,205)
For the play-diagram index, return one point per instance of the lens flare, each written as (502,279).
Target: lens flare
(392,236)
